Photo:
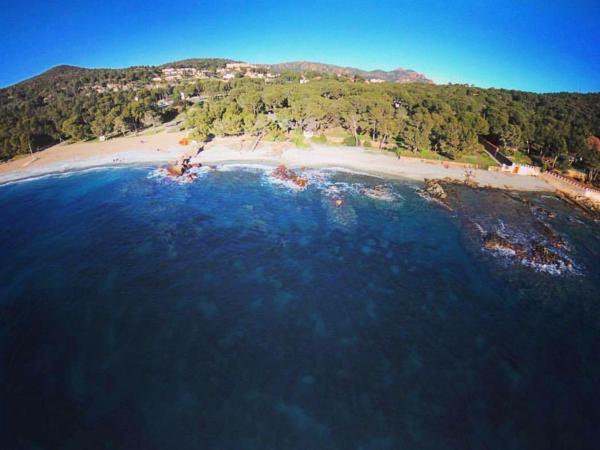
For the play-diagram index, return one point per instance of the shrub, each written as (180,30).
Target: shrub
(320,139)
(350,141)
(298,139)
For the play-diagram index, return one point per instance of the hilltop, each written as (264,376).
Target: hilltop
(55,74)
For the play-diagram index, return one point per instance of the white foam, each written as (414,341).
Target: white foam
(63,174)
(244,167)
(553,269)
(380,192)
(479,228)
(564,266)
(320,179)
(190,176)
(285,184)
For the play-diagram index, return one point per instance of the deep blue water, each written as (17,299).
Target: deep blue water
(233,313)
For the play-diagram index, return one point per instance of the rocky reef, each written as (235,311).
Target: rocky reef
(282,173)
(534,252)
(378,193)
(548,234)
(434,191)
(495,242)
(508,224)
(590,208)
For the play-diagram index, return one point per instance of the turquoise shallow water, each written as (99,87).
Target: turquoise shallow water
(236,313)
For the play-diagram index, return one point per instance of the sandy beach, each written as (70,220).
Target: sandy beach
(159,148)
(163,147)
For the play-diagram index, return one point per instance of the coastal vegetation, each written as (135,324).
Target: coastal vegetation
(556,131)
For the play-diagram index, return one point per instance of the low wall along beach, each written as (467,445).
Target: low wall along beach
(571,186)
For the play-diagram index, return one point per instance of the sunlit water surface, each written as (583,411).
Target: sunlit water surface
(238,313)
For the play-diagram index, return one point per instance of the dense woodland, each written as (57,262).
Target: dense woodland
(557,131)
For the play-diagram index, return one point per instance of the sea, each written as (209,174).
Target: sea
(238,311)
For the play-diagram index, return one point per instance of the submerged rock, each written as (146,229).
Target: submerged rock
(493,241)
(545,212)
(515,226)
(547,233)
(540,254)
(378,193)
(534,253)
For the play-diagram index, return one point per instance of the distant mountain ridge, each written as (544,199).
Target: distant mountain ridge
(398,75)
(65,72)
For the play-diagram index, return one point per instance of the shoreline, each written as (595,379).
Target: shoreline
(156,149)
(162,148)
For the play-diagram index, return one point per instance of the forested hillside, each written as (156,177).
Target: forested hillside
(554,130)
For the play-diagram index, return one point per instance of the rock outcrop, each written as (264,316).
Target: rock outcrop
(435,190)
(540,254)
(493,241)
(284,174)
(534,252)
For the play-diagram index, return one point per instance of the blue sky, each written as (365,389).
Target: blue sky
(542,46)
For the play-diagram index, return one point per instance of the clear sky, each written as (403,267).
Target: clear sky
(536,45)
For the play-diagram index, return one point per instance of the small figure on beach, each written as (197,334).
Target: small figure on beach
(470,178)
